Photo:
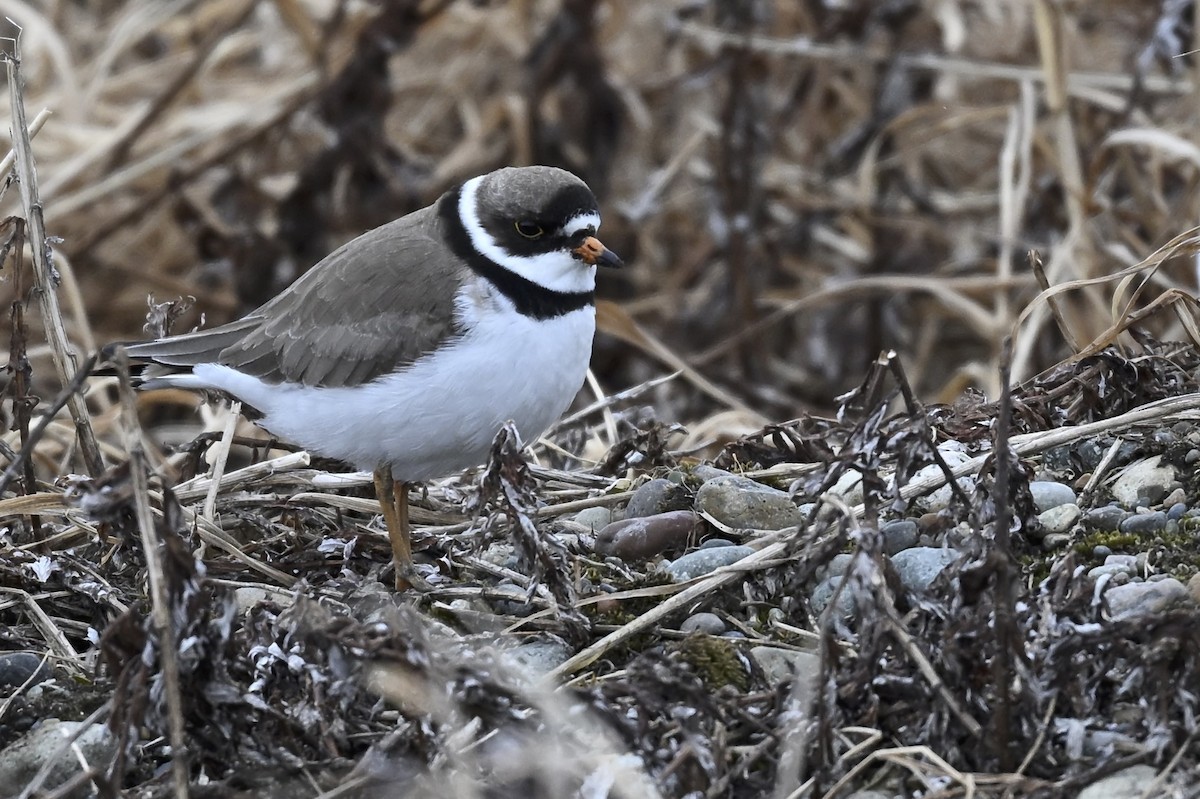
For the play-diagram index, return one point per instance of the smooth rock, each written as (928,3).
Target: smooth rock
(645,537)
(21,760)
(536,658)
(1136,477)
(594,518)
(1144,523)
(1060,518)
(1177,497)
(823,594)
(657,496)
(17,667)
(1048,494)
(918,567)
(703,561)
(899,534)
(707,623)
(1055,541)
(849,487)
(1138,599)
(706,472)
(940,499)
(1106,517)
(837,565)
(742,503)
(716,543)
(1128,783)
(1193,587)
(1176,510)
(1109,568)
(778,665)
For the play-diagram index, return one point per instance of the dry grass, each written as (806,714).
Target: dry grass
(797,187)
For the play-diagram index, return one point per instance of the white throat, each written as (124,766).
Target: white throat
(557,271)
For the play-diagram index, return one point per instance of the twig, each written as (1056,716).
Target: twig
(222,457)
(34,128)
(160,611)
(35,435)
(56,332)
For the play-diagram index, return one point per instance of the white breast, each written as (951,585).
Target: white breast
(441,414)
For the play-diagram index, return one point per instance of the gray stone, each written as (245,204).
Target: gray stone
(837,565)
(742,503)
(21,760)
(778,665)
(648,536)
(1107,517)
(849,487)
(1137,477)
(706,472)
(1128,561)
(17,667)
(1048,494)
(1060,518)
(1138,599)
(1109,568)
(657,496)
(919,566)
(823,594)
(1128,783)
(1143,523)
(594,518)
(899,534)
(703,561)
(534,659)
(1055,541)
(1176,497)
(716,543)
(707,623)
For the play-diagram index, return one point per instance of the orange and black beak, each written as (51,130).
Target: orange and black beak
(593,253)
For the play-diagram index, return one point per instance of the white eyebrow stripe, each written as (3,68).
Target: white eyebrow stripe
(583,221)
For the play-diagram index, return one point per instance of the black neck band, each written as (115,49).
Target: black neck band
(530,299)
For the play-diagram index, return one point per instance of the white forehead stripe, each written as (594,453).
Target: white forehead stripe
(557,271)
(583,221)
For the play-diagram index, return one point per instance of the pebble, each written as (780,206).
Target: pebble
(716,543)
(740,502)
(17,667)
(704,472)
(940,499)
(1060,518)
(778,665)
(837,565)
(21,760)
(1056,541)
(823,593)
(1192,456)
(1193,587)
(1142,523)
(643,538)
(1176,510)
(1109,568)
(707,623)
(918,567)
(849,487)
(657,496)
(1047,495)
(1128,783)
(1137,477)
(1107,517)
(1138,599)
(703,561)
(1101,551)
(537,658)
(594,518)
(899,534)
(1176,497)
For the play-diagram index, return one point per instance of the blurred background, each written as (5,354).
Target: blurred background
(795,185)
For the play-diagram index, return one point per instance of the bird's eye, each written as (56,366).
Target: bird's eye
(530,230)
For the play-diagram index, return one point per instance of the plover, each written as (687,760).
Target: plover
(406,350)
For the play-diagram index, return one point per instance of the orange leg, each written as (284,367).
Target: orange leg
(393,501)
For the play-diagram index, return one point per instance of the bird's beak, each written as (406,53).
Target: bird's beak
(593,253)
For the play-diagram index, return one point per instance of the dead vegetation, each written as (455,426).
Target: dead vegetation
(798,187)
